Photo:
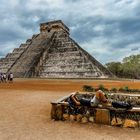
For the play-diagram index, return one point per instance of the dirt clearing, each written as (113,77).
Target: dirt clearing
(25,112)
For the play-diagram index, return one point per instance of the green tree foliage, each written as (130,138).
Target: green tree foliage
(129,68)
(115,67)
(88,88)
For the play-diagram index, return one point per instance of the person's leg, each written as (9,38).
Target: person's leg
(85,102)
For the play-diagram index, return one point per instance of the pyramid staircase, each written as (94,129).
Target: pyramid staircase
(53,54)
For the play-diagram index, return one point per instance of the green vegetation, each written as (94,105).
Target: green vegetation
(101,87)
(129,68)
(124,89)
(88,88)
(127,89)
(114,89)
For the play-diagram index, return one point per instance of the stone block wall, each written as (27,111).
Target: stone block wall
(102,115)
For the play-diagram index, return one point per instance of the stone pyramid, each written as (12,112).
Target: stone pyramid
(52,54)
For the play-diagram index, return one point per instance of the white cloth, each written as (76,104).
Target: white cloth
(11,75)
(94,101)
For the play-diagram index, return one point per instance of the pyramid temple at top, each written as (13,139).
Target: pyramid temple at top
(52,54)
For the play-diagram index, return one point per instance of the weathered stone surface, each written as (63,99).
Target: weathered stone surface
(117,121)
(138,123)
(102,116)
(84,120)
(130,123)
(72,118)
(53,111)
(53,54)
(57,112)
(91,119)
(66,117)
(78,117)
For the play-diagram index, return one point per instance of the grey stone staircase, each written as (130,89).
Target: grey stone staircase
(32,57)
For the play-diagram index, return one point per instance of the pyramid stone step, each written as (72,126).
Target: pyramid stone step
(13,55)
(63,63)
(34,36)
(70,74)
(68,54)
(67,65)
(2,59)
(66,43)
(18,50)
(5,60)
(63,39)
(62,50)
(65,58)
(71,60)
(82,65)
(24,45)
(28,41)
(69,70)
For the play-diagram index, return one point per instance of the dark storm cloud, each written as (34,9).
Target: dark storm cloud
(128,29)
(9,35)
(1,54)
(83,30)
(108,29)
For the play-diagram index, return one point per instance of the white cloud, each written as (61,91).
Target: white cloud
(108,29)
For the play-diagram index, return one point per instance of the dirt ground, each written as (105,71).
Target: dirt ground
(25,112)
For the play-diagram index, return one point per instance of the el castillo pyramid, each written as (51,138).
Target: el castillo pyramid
(52,54)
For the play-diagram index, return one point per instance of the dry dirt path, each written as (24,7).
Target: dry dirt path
(67,85)
(25,115)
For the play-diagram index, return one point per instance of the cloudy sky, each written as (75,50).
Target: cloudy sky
(108,29)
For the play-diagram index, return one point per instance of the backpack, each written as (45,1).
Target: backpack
(119,104)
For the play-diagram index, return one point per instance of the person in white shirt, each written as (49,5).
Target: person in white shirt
(11,77)
(99,98)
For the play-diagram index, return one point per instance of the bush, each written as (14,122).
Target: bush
(124,89)
(134,90)
(114,90)
(101,87)
(121,89)
(88,88)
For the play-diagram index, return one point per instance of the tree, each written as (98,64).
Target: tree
(129,68)
(115,68)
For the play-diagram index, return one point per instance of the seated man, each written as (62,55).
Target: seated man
(99,98)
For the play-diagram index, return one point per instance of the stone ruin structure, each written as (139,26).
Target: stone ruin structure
(52,54)
(101,114)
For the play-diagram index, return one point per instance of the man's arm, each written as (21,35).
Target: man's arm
(74,99)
